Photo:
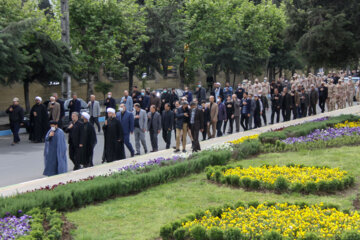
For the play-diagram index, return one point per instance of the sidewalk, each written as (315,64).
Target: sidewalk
(108,167)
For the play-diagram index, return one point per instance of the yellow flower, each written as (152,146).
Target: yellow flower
(348,124)
(241,140)
(291,221)
(293,174)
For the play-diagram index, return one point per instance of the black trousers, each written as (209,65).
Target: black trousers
(166,134)
(195,135)
(154,139)
(277,112)
(74,154)
(205,131)
(244,119)
(303,110)
(294,111)
(257,120)
(231,124)
(96,121)
(286,112)
(312,109)
(15,127)
(218,128)
(264,118)
(322,104)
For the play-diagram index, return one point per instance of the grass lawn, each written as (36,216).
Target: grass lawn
(141,216)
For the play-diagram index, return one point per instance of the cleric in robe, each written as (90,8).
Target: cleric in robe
(39,121)
(114,138)
(55,151)
(89,141)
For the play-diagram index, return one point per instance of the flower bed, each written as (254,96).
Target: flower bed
(31,226)
(305,128)
(294,178)
(324,135)
(243,139)
(347,124)
(267,221)
(12,227)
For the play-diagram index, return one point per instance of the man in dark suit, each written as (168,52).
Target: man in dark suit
(110,101)
(154,126)
(75,131)
(218,91)
(126,119)
(196,125)
(167,120)
(200,93)
(74,105)
(286,104)
(275,106)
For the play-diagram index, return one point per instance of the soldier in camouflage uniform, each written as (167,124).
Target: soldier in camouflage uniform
(331,100)
(350,92)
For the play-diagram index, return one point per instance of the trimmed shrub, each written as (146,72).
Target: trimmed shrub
(233,234)
(198,233)
(272,236)
(180,234)
(310,236)
(216,233)
(351,235)
(281,185)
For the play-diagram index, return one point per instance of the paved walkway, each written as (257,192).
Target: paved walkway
(108,167)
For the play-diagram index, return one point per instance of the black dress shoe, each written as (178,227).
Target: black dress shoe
(184,151)
(132,154)
(145,151)
(176,151)
(137,154)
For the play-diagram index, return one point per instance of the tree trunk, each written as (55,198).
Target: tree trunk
(90,85)
(234,80)
(131,77)
(182,74)
(215,72)
(26,96)
(165,65)
(280,72)
(227,75)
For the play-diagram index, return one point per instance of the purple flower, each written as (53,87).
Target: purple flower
(160,161)
(324,135)
(12,227)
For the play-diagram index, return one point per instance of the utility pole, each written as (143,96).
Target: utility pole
(65,37)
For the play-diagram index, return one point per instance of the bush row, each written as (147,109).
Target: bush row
(175,231)
(39,217)
(281,185)
(304,129)
(101,188)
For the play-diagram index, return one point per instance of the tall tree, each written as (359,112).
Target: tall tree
(33,57)
(94,29)
(326,32)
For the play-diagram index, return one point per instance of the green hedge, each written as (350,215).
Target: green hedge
(39,217)
(215,173)
(175,231)
(101,188)
(304,129)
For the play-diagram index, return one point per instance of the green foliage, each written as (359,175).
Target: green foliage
(281,185)
(233,234)
(41,216)
(198,233)
(216,233)
(311,236)
(102,188)
(103,88)
(325,31)
(351,235)
(272,236)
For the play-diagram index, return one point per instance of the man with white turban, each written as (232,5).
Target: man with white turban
(114,138)
(39,121)
(89,141)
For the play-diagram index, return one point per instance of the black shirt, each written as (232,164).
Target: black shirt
(136,124)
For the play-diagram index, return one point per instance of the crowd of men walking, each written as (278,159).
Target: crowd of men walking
(188,116)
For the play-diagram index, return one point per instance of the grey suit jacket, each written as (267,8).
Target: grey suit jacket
(143,118)
(156,121)
(96,111)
